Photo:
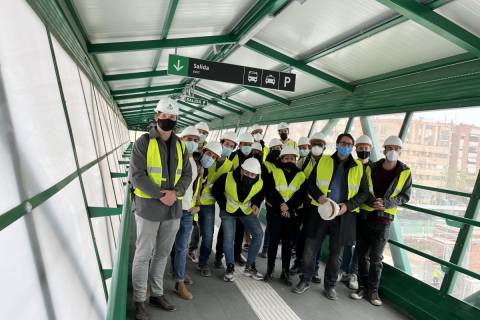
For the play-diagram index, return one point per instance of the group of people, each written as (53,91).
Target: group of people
(179,180)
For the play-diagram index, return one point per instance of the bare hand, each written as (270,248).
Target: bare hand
(378,204)
(322,199)
(194,210)
(283,207)
(285,214)
(343,209)
(256,210)
(169,197)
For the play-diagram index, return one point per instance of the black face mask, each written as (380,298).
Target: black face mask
(275,154)
(166,124)
(288,166)
(247,181)
(363,154)
(258,157)
(284,136)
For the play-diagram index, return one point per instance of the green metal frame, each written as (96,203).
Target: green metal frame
(200,109)
(118,93)
(97,212)
(148,94)
(134,75)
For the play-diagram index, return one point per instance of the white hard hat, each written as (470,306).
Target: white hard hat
(364,139)
(245,137)
(289,150)
(275,142)
(167,105)
(189,131)
(229,135)
(257,146)
(303,140)
(215,147)
(202,126)
(328,210)
(252,165)
(393,141)
(282,125)
(318,136)
(256,127)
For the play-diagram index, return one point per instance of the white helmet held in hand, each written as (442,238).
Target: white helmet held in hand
(252,165)
(329,210)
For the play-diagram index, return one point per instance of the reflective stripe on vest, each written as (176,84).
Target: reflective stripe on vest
(266,150)
(402,179)
(324,177)
(285,190)
(309,168)
(231,195)
(206,198)
(154,166)
(270,166)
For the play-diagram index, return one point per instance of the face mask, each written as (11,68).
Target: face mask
(226,152)
(275,153)
(363,154)
(207,161)
(191,146)
(317,151)
(246,150)
(303,153)
(284,136)
(247,180)
(392,155)
(258,136)
(288,166)
(166,124)
(202,137)
(344,151)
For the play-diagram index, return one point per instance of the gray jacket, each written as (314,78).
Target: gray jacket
(153,209)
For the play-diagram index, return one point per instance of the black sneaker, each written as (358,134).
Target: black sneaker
(296,269)
(331,294)
(268,276)
(228,277)
(301,287)
(218,264)
(375,299)
(251,271)
(316,279)
(285,277)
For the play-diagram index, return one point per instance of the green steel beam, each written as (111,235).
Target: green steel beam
(276,55)
(119,93)
(348,127)
(221,106)
(123,162)
(148,94)
(436,23)
(269,95)
(107,274)
(217,96)
(200,109)
(97,212)
(146,107)
(134,75)
(140,103)
(463,238)
(405,126)
(329,126)
(453,192)
(118,174)
(158,44)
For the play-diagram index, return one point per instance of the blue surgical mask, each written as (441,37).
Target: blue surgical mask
(191,146)
(246,150)
(207,161)
(344,151)
(202,137)
(304,153)
(226,152)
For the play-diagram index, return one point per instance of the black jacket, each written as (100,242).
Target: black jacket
(218,192)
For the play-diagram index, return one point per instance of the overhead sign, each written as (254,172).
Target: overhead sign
(231,73)
(202,102)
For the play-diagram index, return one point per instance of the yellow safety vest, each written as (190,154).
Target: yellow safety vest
(206,199)
(291,143)
(270,166)
(309,168)
(195,195)
(287,190)
(231,195)
(236,161)
(324,177)
(266,150)
(154,166)
(402,179)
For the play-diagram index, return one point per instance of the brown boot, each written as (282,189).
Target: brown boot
(187,279)
(182,291)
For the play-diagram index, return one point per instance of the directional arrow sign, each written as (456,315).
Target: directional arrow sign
(231,73)
(200,101)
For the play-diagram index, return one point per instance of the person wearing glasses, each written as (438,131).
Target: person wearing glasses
(338,179)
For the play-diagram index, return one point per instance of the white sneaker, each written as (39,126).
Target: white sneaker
(252,273)
(353,282)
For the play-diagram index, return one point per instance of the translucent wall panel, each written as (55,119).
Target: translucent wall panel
(356,129)
(38,120)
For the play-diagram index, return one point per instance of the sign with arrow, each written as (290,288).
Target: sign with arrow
(200,101)
(231,73)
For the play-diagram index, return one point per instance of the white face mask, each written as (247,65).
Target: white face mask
(317,151)
(258,136)
(392,155)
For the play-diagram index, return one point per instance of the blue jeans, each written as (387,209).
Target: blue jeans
(181,244)
(206,218)
(252,225)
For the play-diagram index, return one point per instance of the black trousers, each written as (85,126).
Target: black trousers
(237,245)
(371,240)
(313,245)
(195,237)
(300,235)
(280,229)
